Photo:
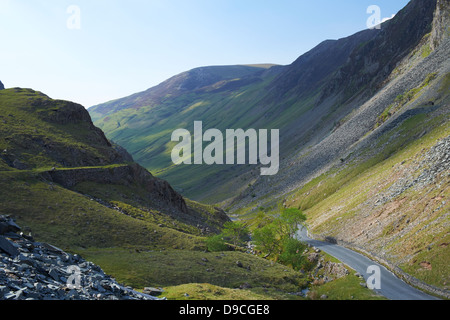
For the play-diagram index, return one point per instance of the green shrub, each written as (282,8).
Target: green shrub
(289,222)
(236,232)
(266,239)
(399,98)
(292,254)
(216,243)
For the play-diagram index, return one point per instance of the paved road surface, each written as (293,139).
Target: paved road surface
(392,287)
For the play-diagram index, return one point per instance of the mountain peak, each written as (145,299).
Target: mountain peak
(197,79)
(1,86)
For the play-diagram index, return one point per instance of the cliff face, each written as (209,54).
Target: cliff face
(395,62)
(441,23)
(157,191)
(373,61)
(313,69)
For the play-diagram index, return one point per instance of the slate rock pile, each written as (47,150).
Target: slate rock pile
(31,270)
(435,162)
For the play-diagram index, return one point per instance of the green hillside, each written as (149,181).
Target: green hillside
(363,139)
(64,182)
(364,163)
(305,100)
(387,198)
(115,213)
(146,130)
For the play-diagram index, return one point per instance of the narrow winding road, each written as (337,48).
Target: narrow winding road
(391,286)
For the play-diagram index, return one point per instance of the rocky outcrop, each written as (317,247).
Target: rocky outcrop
(435,162)
(441,23)
(312,69)
(151,192)
(159,192)
(72,113)
(67,112)
(31,270)
(372,62)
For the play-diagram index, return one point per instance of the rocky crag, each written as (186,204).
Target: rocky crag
(158,191)
(31,270)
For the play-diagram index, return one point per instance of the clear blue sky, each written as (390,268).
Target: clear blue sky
(123,47)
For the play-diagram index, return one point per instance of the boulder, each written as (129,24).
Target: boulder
(7,225)
(153,291)
(337,270)
(8,247)
(313,257)
(54,274)
(19,165)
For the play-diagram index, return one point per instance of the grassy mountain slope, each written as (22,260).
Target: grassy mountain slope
(55,142)
(114,212)
(305,100)
(363,144)
(199,79)
(379,181)
(37,132)
(364,150)
(390,198)
(146,130)
(63,181)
